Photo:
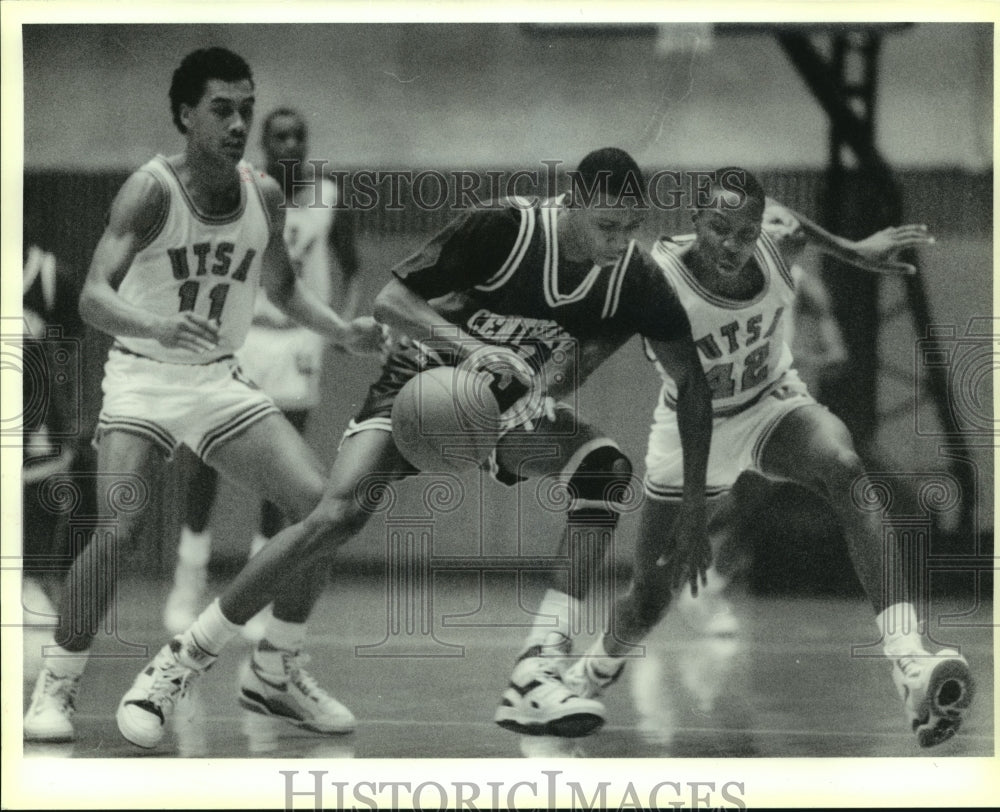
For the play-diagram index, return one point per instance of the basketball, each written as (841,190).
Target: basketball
(446,419)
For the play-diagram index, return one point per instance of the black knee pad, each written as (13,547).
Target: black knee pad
(599,486)
(652,608)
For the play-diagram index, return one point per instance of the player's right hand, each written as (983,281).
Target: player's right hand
(187,331)
(512,380)
(501,362)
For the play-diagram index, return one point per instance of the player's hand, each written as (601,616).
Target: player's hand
(689,554)
(877,253)
(782,225)
(512,381)
(187,331)
(364,336)
(529,412)
(392,341)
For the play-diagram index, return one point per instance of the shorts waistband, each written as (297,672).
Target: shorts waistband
(730,411)
(116,346)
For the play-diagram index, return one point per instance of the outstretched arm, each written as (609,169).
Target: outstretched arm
(689,553)
(876,253)
(293,297)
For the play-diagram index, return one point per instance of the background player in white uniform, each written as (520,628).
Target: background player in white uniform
(737,290)
(279,355)
(174,277)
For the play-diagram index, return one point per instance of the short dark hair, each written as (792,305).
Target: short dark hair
(741,182)
(611,174)
(278,112)
(190,78)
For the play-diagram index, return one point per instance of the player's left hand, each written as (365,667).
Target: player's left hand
(877,253)
(689,553)
(529,412)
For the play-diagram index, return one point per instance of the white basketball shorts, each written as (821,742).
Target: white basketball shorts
(737,441)
(201,406)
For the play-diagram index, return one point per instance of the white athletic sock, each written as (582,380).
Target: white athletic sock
(563,607)
(64,663)
(212,630)
(285,635)
(194,549)
(900,630)
(280,637)
(600,662)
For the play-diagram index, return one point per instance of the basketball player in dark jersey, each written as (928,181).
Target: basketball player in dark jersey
(525,289)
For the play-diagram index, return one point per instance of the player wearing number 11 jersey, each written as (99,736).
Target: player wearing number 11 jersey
(189,240)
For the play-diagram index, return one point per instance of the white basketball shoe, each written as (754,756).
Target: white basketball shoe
(538,703)
(936,690)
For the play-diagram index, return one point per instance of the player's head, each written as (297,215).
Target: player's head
(607,203)
(284,137)
(212,92)
(727,220)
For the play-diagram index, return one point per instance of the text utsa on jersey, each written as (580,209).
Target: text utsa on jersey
(221,261)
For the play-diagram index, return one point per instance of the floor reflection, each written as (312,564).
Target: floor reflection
(689,697)
(268,736)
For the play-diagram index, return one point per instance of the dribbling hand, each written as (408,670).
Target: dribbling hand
(510,376)
(188,331)
(528,412)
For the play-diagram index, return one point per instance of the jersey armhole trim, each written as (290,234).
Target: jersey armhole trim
(773,253)
(156,229)
(526,230)
(254,181)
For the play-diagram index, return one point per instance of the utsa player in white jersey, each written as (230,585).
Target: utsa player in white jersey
(189,240)
(279,355)
(735,284)
(522,288)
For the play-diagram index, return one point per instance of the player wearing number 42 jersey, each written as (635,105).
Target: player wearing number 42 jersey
(189,240)
(733,280)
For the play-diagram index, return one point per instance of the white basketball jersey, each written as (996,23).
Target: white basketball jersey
(741,344)
(307,236)
(286,362)
(209,265)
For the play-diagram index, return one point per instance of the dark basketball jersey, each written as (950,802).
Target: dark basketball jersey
(498,274)
(52,350)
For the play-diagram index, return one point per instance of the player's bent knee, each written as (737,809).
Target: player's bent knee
(841,471)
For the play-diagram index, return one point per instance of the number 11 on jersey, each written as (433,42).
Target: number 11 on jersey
(188,293)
